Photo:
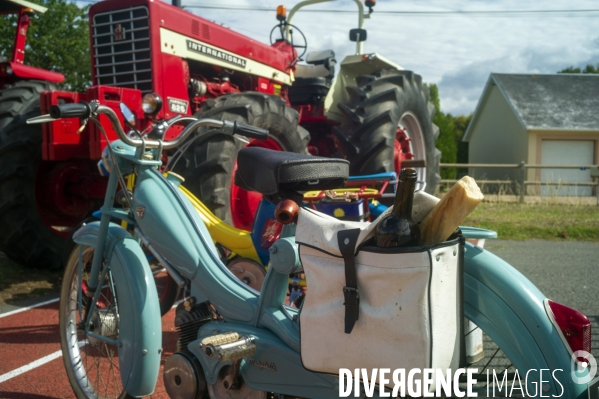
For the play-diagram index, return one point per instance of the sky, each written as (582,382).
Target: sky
(457,51)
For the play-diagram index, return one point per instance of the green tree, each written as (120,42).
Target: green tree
(588,69)
(460,124)
(446,142)
(57,40)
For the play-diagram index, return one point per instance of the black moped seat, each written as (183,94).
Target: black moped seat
(275,172)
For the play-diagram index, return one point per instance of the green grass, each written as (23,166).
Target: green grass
(18,283)
(515,221)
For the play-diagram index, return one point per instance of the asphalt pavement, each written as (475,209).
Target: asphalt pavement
(565,271)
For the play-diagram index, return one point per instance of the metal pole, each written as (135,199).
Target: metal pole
(595,176)
(177,3)
(522,179)
(360,43)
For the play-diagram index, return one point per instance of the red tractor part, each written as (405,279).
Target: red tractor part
(180,63)
(14,70)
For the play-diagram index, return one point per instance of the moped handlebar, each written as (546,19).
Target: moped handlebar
(81,110)
(252,132)
(86,110)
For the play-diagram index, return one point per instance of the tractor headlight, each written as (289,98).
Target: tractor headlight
(9,70)
(151,103)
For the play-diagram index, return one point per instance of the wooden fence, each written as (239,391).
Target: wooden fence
(521,182)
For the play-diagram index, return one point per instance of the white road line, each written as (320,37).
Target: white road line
(30,366)
(37,305)
(35,364)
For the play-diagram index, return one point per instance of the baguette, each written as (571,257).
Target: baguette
(450,211)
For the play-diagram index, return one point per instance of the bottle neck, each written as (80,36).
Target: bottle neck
(404,198)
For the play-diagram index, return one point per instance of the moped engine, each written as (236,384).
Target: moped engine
(183,376)
(239,391)
(189,318)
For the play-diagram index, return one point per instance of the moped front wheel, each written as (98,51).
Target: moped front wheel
(166,288)
(91,360)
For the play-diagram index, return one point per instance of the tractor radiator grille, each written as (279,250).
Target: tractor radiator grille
(122,48)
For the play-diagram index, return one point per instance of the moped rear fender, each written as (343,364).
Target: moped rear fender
(508,307)
(140,328)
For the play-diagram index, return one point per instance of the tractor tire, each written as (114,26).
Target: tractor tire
(383,109)
(20,98)
(208,163)
(25,237)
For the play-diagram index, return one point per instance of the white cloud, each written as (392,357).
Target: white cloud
(458,52)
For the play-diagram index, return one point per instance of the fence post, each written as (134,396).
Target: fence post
(522,179)
(595,176)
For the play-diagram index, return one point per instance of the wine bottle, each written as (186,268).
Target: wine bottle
(398,227)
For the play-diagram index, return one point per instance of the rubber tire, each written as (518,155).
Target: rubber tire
(70,273)
(21,98)
(26,238)
(207,165)
(166,298)
(376,106)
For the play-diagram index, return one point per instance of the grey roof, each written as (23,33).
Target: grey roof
(559,101)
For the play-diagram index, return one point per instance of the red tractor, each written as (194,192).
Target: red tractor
(160,61)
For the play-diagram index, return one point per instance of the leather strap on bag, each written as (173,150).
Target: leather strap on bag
(347,239)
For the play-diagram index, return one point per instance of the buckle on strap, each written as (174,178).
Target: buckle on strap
(352,297)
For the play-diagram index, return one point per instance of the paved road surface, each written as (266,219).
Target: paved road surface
(566,272)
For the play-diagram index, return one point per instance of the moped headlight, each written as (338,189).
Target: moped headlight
(107,160)
(9,70)
(102,170)
(151,103)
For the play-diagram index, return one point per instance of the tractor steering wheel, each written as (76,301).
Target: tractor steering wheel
(303,44)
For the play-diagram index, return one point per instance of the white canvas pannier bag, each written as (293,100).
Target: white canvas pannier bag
(402,308)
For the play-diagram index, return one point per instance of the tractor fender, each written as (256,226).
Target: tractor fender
(516,319)
(140,327)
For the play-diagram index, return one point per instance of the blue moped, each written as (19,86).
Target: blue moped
(235,342)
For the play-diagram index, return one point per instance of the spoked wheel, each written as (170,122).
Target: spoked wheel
(92,363)
(167,289)
(494,361)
